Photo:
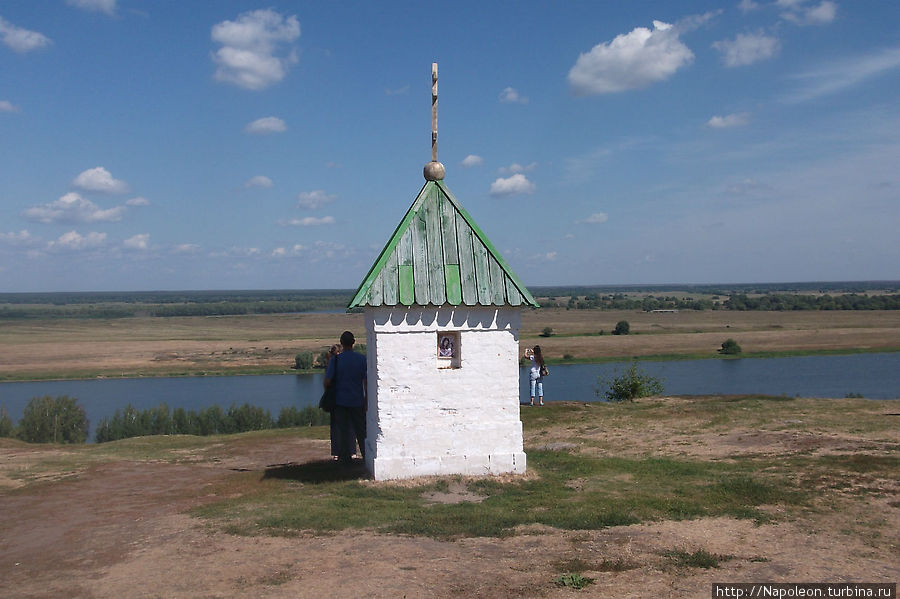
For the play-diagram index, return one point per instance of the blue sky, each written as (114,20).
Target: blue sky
(231,145)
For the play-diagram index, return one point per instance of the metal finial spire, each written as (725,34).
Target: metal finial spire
(434,170)
(434,112)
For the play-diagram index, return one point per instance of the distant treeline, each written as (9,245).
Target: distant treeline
(169,303)
(718,289)
(176,297)
(756,296)
(740,302)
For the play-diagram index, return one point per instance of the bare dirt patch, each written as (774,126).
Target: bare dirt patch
(116,527)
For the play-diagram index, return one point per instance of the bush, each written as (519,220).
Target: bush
(308,416)
(730,347)
(547,332)
(633,383)
(304,360)
(249,418)
(208,421)
(568,357)
(622,328)
(53,420)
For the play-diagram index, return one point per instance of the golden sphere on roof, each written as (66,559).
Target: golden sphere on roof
(434,171)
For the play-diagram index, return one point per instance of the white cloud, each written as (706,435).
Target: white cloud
(259,181)
(75,241)
(843,75)
(23,237)
(594,219)
(265,125)
(515,167)
(396,92)
(237,252)
(138,201)
(72,208)
(514,185)
(309,221)
(748,187)
(728,121)
(105,6)
(99,179)
(137,242)
(472,160)
(550,256)
(22,40)
(250,54)
(630,61)
(747,48)
(323,250)
(314,199)
(746,6)
(186,248)
(511,96)
(802,13)
(282,252)
(7,106)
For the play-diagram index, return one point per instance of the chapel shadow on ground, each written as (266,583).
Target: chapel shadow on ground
(319,471)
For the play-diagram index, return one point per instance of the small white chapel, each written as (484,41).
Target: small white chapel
(442,314)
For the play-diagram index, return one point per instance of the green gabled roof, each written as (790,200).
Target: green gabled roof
(438,256)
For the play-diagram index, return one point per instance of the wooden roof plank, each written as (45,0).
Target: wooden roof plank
(482,273)
(391,280)
(448,231)
(433,233)
(452,281)
(407,295)
(512,294)
(498,283)
(466,263)
(420,261)
(375,295)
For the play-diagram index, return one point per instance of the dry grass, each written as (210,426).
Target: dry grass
(576,332)
(268,343)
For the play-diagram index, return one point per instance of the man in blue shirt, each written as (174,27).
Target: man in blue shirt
(347,371)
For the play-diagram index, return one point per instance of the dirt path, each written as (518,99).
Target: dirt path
(119,529)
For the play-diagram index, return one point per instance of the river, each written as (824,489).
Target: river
(875,376)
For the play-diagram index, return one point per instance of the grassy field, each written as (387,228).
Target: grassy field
(254,344)
(636,498)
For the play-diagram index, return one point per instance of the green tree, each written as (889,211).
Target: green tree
(6,423)
(622,328)
(304,360)
(730,347)
(547,332)
(631,384)
(53,420)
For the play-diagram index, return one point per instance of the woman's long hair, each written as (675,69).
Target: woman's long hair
(538,356)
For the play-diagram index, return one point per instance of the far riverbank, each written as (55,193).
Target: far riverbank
(267,344)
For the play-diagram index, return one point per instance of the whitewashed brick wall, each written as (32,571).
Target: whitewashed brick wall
(425,420)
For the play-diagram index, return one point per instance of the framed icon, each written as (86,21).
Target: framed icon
(448,349)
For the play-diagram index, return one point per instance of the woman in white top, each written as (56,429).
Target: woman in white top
(534,375)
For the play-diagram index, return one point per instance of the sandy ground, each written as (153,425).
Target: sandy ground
(120,529)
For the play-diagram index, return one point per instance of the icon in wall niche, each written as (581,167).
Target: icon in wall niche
(448,349)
